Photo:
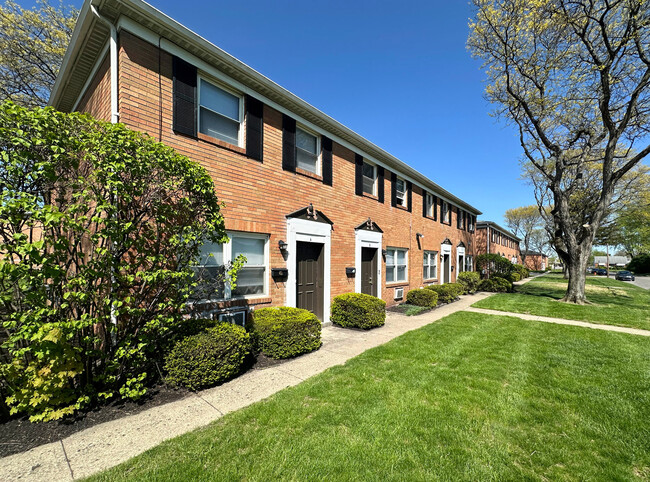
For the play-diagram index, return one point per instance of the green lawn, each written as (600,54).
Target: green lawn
(472,397)
(613,302)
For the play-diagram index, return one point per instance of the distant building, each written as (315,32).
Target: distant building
(492,238)
(535,261)
(618,261)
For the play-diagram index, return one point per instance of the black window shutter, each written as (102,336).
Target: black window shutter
(442,214)
(458,220)
(288,143)
(254,128)
(409,202)
(380,184)
(393,189)
(185,101)
(326,142)
(358,174)
(424,203)
(435,208)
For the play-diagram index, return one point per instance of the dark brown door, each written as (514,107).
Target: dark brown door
(369,271)
(445,267)
(310,277)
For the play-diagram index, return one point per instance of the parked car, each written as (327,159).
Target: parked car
(591,270)
(624,276)
(601,272)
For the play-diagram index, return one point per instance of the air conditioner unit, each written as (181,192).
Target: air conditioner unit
(399,293)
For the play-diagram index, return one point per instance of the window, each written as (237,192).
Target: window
(494,236)
(460,219)
(445,216)
(430,207)
(215,260)
(234,317)
(400,191)
(219,113)
(430,265)
(369,179)
(395,265)
(469,263)
(307,150)
(471,223)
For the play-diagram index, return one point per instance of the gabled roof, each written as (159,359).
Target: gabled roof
(87,48)
(485,224)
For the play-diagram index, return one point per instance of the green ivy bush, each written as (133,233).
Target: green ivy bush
(358,310)
(447,293)
(422,297)
(469,280)
(492,264)
(210,357)
(285,332)
(130,215)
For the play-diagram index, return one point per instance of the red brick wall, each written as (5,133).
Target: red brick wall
(97,99)
(504,249)
(258,195)
(535,262)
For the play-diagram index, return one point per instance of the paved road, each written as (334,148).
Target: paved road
(642,281)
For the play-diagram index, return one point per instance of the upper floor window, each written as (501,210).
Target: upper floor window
(307,150)
(460,219)
(395,265)
(400,191)
(445,216)
(470,223)
(220,113)
(369,179)
(430,207)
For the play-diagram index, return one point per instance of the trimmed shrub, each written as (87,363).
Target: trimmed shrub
(492,264)
(207,358)
(422,297)
(487,285)
(514,277)
(285,332)
(358,310)
(522,270)
(469,280)
(447,293)
(640,264)
(503,285)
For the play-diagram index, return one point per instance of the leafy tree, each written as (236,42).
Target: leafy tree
(526,222)
(633,222)
(99,229)
(32,45)
(574,77)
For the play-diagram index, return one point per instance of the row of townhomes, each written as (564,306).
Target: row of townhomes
(316,209)
(493,239)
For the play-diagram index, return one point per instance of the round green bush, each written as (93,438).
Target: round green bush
(640,264)
(515,276)
(447,293)
(285,332)
(358,310)
(469,280)
(487,285)
(422,297)
(522,270)
(503,285)
(207,358)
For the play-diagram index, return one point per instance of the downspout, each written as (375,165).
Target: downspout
(115,115)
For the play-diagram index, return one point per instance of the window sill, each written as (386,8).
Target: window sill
(370,196)
(233,302)
(396,284)
(306,173)
(431,280)
(403,208)
(220,143)
(431,218)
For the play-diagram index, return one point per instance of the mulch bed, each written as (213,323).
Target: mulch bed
(19,434)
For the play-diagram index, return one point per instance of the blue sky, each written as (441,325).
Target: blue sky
(396,73)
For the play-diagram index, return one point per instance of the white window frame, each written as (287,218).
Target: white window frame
(227,258)
(239,95)
(446,213)
(395,266)
(430,205)
(469,262)
(319,163)
(404,195)
(430,255)
(374,178)
(470,223)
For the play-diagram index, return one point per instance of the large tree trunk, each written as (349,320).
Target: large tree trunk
(577,269)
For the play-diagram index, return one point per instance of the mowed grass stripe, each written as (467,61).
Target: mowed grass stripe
(472,397)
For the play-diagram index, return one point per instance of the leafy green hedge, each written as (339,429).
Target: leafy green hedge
(469,280)
(640,264)
(422,297)
(358,310)
(285,332)
(492,264)
(448,292)
(522,270)
(207,358)
(495,285)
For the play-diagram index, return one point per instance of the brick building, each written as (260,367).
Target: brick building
(317,209)
(535,261)
(492,238)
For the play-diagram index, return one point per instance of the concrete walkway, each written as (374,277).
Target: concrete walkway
(108,444)
(561,321)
